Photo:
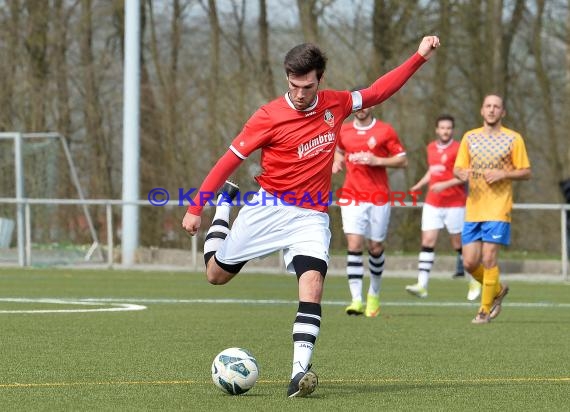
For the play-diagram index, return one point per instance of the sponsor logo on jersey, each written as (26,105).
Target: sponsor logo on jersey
(329,118)
(372,142)
(315,145)
(310,113)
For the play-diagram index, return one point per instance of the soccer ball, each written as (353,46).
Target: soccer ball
(235,371)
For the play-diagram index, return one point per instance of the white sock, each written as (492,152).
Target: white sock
(305,331)
(355,272)
(426,258)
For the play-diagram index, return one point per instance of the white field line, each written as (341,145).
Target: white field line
(115,306)
(325,302)
(125,304)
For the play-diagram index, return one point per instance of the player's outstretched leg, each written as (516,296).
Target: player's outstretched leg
(305,331)
(303,384)
(220,227)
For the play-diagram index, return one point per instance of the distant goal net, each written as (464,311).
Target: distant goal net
(40,167)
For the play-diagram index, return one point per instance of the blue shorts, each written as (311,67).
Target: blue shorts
(490,232)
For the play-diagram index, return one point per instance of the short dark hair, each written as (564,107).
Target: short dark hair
(445,117)
(305,58)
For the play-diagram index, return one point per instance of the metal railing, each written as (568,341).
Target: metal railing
(25,245)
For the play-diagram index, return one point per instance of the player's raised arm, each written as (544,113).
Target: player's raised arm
(428,46)
(392,81)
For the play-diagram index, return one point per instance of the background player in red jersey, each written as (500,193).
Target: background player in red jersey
(366,147)
(297,134)
(444,205)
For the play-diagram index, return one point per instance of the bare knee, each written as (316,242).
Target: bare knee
(470,266)
(216,279)
(311,286)
(489,261)
(375,248)
(216,275)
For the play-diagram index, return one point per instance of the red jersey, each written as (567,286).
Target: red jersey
(378,138)
(297,147)
(441,160)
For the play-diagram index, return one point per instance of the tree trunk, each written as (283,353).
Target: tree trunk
(36,45)
(567,94)
(214,79)
(495,41)
(545,89)
(509,31)
(100,154)
(309,20)
(8,73)
(61,71)
(267,85)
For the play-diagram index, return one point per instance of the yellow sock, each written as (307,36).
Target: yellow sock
(478,273)
(489,290)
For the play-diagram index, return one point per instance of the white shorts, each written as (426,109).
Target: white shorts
(435,218)
(261,229)
(366,219)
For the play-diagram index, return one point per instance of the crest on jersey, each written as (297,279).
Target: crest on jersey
(372,142)
(329,118)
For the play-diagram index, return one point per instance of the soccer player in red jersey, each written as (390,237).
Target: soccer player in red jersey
(444,205)
(366,147)
(297,135)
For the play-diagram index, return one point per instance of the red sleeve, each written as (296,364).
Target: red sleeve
(391,82)
(393,142)
(255,134)
(227,164)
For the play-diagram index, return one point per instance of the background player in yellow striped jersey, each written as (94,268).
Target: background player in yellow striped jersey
(490,158)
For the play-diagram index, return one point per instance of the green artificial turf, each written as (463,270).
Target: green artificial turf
(417,355)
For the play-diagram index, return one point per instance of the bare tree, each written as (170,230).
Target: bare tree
(389,22)
(309,19)
(567,91)
(440,80)
(100,148)
(35,44)
(214,76)
(61,43)
(509,29)
(267,82)
(11,22)
(489,35)
(545,90)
